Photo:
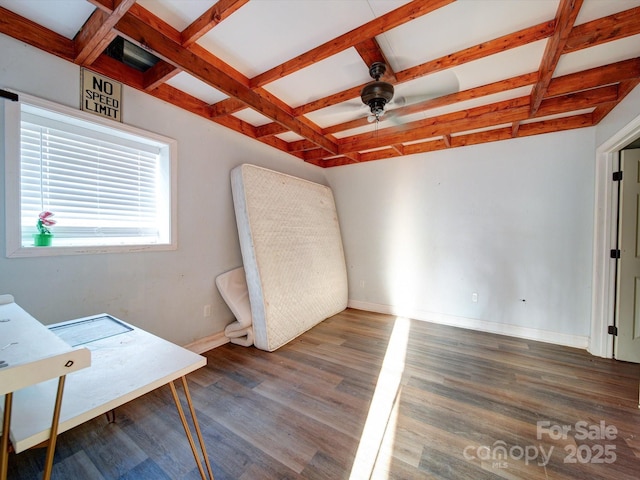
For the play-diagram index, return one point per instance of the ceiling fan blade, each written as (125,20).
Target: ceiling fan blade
(426,88)
(350,106)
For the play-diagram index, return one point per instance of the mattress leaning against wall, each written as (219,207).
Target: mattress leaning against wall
(292,253)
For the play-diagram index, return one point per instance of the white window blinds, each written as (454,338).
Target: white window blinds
(102,188)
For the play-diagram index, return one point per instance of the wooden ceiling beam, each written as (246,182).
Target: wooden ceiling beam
(491,47)
(106,6)
(600,89)
(188,102)
(302,146)
(97,32)
(156,23)
(354,157)
(163,71)
(472,93)
(168,31)
(440,129)
(479,117)
(112,68)
(486,136)
(174,53)
(556,125)
(399,16)
(209,19)
(473,138)
(595,77)
(36,35)
(280,145)
(273,129)
(344,126)
(160,73)
(133,78)
(227,106)
(477,92)
(399,148)
(624,88)
(424,147)
(565,18)
(352,93)
(486,116)
(614,27)
(506,42)
(218,64)
(238,125)
(370,52)
(318,154)
(578,101)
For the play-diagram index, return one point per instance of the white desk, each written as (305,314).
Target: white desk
(124,366)
(30,353)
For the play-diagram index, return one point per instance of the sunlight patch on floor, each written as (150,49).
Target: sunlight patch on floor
(376,443)
(382,465)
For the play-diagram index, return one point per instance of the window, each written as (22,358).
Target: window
(110,186)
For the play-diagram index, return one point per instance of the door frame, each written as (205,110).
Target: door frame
(605,225)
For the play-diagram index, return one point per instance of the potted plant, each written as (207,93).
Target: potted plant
(44,236)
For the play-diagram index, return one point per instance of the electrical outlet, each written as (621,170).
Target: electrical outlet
(474,297)
(207,311)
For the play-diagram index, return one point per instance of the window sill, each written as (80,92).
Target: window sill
(53,251)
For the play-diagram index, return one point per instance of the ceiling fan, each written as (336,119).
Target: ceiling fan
(378,94)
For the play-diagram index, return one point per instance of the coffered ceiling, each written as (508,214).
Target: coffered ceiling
(289,72)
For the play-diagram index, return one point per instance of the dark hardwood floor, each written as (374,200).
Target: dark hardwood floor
(366,395)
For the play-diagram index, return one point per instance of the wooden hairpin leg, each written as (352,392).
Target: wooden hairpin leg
(4,443)
(187,430)
(51,448)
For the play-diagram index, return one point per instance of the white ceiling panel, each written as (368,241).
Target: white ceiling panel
(336,73)
(179,14)
(479,130)
(197,88)
(469,104)
(599,55)
(252,117)
(557,115)
(478,102)
(266,33)
(381,7)
(507,64)
(460,25)
(592,9)
(340,113)
(437,84)
(65,17)
(289,137)
(369,128)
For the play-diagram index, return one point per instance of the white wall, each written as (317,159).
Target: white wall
(163,292)
(511,220)
(625,113)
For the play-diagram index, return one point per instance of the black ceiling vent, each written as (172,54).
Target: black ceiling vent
(130,54)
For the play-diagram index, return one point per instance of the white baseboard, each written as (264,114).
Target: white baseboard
(207,343)
(576,341)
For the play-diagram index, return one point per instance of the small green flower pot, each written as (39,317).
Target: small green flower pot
(42,239)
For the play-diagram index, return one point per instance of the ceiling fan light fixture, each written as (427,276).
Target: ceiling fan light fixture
(376,95)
